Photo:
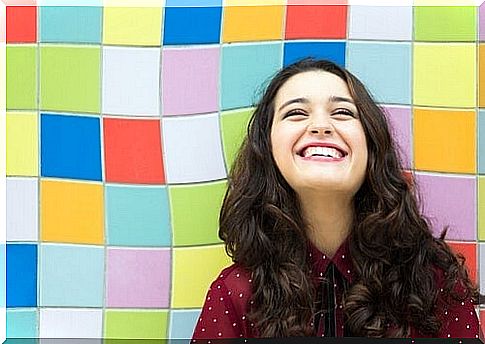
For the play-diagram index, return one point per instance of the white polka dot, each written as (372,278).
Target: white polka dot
(252,324)
(348,271)
(321,274)
(243,317)
(226,312)
(210,308)
(240,335)
(476,336)
(233,324)
(471,313)
(200,319)
(221,298)
(335,285)
(250,280)
(214,320)
(441,289)
(449,335)
(218,287)
(468,326)
(446,312)
(221,276)
(219,334)
(237,275)
(245,340)
(324,257)
(203,329)
(209,342)
(463,303)
(208,298)
(229,292)
(456,319)
(343,256)
(340,306)
(240,294)
(252,302)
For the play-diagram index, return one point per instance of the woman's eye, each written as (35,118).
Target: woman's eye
(344,112)
(295,113)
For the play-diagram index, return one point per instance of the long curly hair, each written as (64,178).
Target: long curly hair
(391,245)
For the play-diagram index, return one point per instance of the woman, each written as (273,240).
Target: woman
(324,229)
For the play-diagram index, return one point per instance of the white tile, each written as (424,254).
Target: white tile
(22,209)
(71,323)
(381,22)
(131,81)
(193,149)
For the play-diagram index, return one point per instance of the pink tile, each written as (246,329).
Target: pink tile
(481,22)
(138,278)
(449,200)
(190,81)
(400,123)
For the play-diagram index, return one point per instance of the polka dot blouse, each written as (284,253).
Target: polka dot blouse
(224,314)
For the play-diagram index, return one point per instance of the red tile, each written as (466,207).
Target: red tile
(469,251)
(21,24)
(133,151)
(482,322)
(316,22)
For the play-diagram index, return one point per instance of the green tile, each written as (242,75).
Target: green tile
(445,23)
(234,128)
(135,324)
(481,208)
(21,77)
(195,212)
(70,78)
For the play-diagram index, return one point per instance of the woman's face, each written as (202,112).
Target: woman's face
(317,138)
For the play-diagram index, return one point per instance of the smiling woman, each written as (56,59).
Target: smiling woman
(324,229)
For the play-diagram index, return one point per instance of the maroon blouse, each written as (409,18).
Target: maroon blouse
(228,300)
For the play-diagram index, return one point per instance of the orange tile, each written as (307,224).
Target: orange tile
(444,140)
(21,24)
(71,212)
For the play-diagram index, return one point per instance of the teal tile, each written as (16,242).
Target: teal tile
(137,216)
(481,142)
(71,276)
(243,75)
(384,68)
(22,323)
(79,24)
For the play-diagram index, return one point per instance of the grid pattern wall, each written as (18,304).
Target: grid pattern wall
(122,123)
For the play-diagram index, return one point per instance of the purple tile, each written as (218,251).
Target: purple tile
(138,278)
(190,81)
(400,123)
(449,200)
(481,22)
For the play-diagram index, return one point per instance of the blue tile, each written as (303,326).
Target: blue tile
(137,216)
(193,3)
(21,275)
(70,147)
(481,142)
(79,24)
(22,323)
(192,25)
(182,323)
(243,76)
(334,51)
(384,68)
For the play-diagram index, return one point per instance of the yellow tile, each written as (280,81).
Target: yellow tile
(252,23)
(444,140)
(71,212)
(481,75)
(132,25)
(194,269)
(254,2)
(445,3)
(445,74)
(22,144)
(481,208)
(134,3)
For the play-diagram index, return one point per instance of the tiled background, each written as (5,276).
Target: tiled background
(122,123)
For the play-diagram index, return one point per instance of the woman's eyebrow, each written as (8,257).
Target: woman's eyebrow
(296,100)
(338,99)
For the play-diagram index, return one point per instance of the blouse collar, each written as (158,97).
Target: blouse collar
(342,261)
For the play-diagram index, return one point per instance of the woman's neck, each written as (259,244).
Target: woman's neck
(329,218)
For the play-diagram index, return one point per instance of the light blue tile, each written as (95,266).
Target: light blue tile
(384,68)
(481,142)
(182,323)
(71,275)
(244,74)
(70,24)
(137,216)
(22,323)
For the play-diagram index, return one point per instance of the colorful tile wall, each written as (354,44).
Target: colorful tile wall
(123,122)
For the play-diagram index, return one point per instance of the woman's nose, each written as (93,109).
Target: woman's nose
(323,127)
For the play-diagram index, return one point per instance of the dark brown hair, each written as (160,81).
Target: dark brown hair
(392,248)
